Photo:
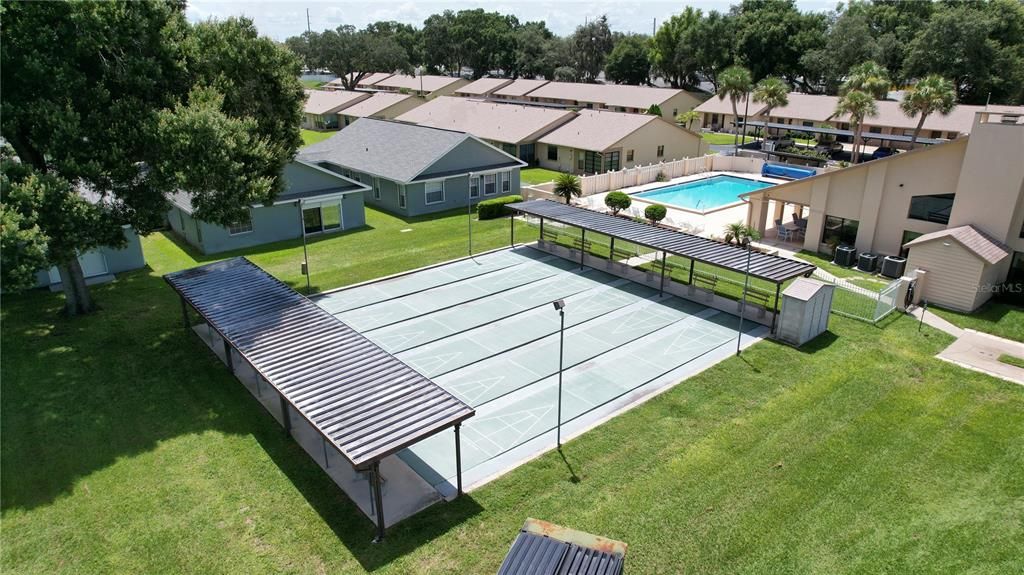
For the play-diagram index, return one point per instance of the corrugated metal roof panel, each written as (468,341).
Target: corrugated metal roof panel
(768,267)
(542,548)
(365,401)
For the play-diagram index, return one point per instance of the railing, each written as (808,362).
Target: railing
(861,303)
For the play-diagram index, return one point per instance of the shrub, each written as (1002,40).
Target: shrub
(655,213)
(654,110)
(490,209)
(661,177)
(617,201)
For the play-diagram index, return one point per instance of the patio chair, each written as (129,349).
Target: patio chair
(783,233)
(778,226)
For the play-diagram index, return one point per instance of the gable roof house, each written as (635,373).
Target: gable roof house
(410,169)
(482,88)
(380,105)
(513,128)
(615,97)
(320,111)
(600,141)
(424,86)
(517,89)
(314,201)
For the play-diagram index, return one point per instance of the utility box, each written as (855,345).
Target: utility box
(806,305)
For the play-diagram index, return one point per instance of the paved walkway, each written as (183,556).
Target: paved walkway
(977,351)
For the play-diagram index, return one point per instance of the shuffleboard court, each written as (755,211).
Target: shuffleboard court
(484,329)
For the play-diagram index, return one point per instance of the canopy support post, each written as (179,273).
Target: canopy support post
(512,230)
(775,310)
(227,355)
(184,313)
(286,417)
(583,245)
(458,461)
(692,263)
(378,498)
(661,289)
(611,249)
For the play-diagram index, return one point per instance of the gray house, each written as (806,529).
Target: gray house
(314,201)
(99,265)
(411,170)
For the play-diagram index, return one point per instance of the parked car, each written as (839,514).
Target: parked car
(772,143)
(828,147)
(883,152)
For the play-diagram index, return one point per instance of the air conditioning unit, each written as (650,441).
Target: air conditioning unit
(845,256)
(893,266)
(866,262)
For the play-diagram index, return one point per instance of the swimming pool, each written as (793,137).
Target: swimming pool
(704,194)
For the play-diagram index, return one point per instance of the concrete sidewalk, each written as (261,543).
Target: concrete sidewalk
(975,350)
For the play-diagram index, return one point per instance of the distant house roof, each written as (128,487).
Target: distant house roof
(519,87)
(641,97)
(393,150)
(543,548)
(375,104)
(330,101)
(501,122)
(371,79)
(974,240)
(428,83)
(597,130)
(716,105)
(810,107)
(483,86)
(342,185)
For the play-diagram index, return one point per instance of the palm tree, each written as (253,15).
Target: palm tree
(741,232)
(687,118)
(932,94)
(567,186)
(869,77)
(858,105)
(773,93)
(734,83)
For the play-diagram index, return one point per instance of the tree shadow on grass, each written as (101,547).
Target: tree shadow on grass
(81,394)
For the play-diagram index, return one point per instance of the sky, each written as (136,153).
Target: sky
(280,19)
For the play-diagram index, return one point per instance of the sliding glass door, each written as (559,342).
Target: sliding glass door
(323,218)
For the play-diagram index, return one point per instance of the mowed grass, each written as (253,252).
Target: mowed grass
(722,138)
(531,176)
(313,136)
(995,317)
(128,448)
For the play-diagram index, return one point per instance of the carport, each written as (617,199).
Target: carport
(360,401)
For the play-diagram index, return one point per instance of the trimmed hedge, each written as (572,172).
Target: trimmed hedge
(490,209)
(655,213)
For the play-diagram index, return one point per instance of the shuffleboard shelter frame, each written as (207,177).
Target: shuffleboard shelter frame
(362,400)
(770,268)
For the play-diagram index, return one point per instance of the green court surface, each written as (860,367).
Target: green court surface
(485,330)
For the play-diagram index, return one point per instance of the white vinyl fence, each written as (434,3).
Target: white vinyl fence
(639,175)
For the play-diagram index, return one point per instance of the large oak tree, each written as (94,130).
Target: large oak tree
(126,103)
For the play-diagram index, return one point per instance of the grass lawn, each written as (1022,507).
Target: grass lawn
(721,138)
(825,263)
(312,84)
(996,318)
(1012,360)
(128,448)
(313,136)
(530,176)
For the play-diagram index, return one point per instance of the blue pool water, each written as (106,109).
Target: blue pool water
(704,194)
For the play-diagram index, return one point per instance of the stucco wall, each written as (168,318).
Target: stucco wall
(679,144)
(993,177)
(118,260)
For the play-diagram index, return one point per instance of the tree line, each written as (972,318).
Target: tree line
(978,45)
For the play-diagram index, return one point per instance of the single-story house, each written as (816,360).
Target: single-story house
(320,112)
(517,89)
(366,82)
(100,264)
(425,86)
(411,170)
(598,141)
(511,127)
(482,88)
(314,201)
(615,97)
(382,105)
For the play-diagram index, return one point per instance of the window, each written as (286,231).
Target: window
(331,216)
(509,149)
(629,155)
(807,124)
(931,208)
(506,182)
(1016,274)
(675,112)
(401,195)
(591,162)
(311,221)
(936,134)
(376,188)
(661,151)
(552,153)
(490,187)
(243,226)
(841,230)
(611,162)
(908,236)
(433,193)
(474,187)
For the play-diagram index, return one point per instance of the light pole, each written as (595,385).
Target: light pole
(469,211)
(305,253)
(560,306)
(743,304)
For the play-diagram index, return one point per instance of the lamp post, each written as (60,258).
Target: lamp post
(469,211)
(560,306)
(743,304)
(305,253)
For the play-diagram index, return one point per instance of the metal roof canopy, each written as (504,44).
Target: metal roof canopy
(543,548)
(363,400)
(771,268)
(838,132)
